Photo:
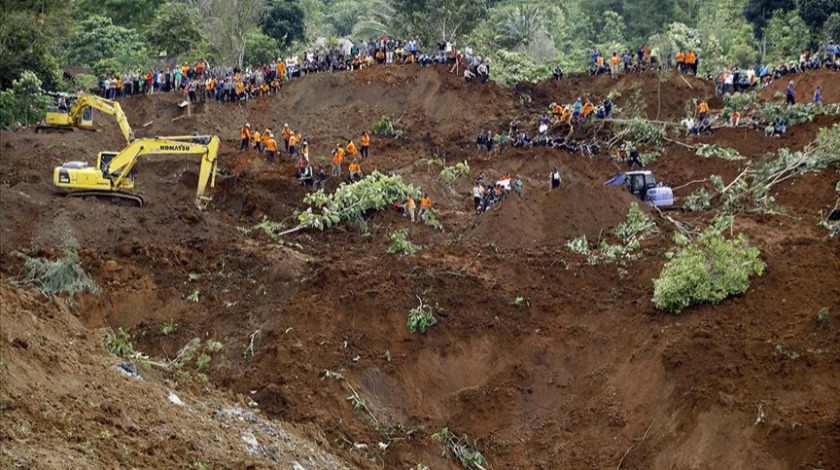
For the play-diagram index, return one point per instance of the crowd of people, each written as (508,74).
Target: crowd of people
(199,80)
(313,177)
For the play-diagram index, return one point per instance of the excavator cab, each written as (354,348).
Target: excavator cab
(643,185)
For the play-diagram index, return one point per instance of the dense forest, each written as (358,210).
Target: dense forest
(523,38)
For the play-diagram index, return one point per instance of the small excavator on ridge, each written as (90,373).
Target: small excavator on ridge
(80,116)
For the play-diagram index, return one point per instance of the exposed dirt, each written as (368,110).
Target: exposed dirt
(585,373)
(805,85)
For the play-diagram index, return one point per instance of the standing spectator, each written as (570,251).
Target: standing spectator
(818,96)
(789,98)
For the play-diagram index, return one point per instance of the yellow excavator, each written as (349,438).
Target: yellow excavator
(115,173)
(80,115)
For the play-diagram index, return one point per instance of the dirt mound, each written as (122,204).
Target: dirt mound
(554,218)
(65,402)
(663,97)
(542,359)
(805,85)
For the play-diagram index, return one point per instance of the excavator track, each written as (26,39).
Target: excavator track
(61,129)
(111,196)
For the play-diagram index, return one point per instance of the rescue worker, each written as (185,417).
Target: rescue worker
(245,134)
(702,110)
(425,207)
(352,150)
(271,149)
(292,144)
(410,205)
(365,145)
(286,133)
(264,141)
(338,157)
(255,140)
(355,171)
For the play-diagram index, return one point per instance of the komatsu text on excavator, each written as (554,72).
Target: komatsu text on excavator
(80,116)
(115,173)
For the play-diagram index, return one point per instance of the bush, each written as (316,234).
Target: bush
(700,200)
(63,276)
(385,127)
(400,244)
(510,68)
(737,102)
(709,269)
(420,319)
(451,173)
(24,103)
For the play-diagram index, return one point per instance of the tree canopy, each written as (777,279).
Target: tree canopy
(114,36)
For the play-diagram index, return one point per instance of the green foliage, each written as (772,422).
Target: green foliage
(510,68)
(85,82)
(739,102)
(815,12)
(640,130)
(400,244)
(385,127)
(30,36)
(260,49)
(450,174)
(786,35)
(637,224)
(831,28)
(708,269)
(23,103)
(284,21)
(352,201)
(579,245)
(420,318)
(126,13)
(636,227)
(460,449)
(99,40)
(700,200)
(796,114)
(519,26)
(168,328)
(118,343)
(715,150)
(62,276)
(175,29)
(357,402)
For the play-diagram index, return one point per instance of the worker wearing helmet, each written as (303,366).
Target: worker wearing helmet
(286,134)
(245,134)
(271,149)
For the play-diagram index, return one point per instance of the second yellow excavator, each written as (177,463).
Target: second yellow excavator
(115,173)
(80,115)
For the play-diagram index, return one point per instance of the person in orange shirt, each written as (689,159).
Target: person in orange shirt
(600,63)
(425,207)
(240,90)
(702,110)
(410,205)
(735,119)
(338,157)
(355,171)
(286,133)
(587,109)
(691,63)
(271,148)
(255,140)
(615,60)
(365,145)
(351,149)
(265,136)
(245,134)
(293,140)
(679,58)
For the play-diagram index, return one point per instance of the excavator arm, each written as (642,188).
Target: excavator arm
(114,172)
(106,106)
